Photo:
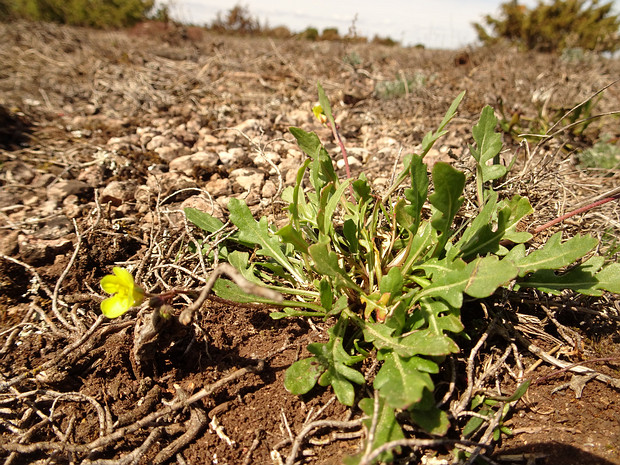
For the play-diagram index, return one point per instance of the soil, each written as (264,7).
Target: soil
(93,128)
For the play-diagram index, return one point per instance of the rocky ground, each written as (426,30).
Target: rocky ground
(106,136)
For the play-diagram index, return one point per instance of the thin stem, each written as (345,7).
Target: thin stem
(574,212)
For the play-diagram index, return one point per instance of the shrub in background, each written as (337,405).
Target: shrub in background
(99,14)
(554,26)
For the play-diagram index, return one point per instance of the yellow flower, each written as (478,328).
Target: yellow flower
(319,114)
(126,293)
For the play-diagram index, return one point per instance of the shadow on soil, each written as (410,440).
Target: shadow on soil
(548,453)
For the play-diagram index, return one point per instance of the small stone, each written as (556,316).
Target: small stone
(39,251)
(190,165)
(64,188)
(269,190)
(170,152)
(157,142)
(230,156)
(353,162)
(170,183)
(248,124)
(247,178)
(16,171)
(117,192)
(262,159)
(218,187)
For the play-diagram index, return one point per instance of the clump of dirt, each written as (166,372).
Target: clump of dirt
(106,136)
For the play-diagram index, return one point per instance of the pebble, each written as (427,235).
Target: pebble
(191,165)
(247,179)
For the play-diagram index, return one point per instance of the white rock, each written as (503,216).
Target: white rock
(247,179)
(269,190)
(229,157)
(353,162)
(157,142)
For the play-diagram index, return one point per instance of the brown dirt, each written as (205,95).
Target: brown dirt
(74,105)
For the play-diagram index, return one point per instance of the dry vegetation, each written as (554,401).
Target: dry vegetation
(93,174)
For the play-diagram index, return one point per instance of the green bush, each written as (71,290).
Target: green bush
(551,27)
(93,13)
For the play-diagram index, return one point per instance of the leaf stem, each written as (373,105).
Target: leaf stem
(575,212)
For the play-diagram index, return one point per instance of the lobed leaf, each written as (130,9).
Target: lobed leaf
(400,382)
(554,254)
(257,232)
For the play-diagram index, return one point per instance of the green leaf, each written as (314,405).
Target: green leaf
(326,263)
(432,420)
(257,232)
(519,208)
(240,261)
(387,428)
(400,382)
(556,254)
(335,360)
(421,342)
(488,145)
(487,274)
(479,279)
(349,230)
(609,278)
(326,293)
(308,142)
(324,102)
(392,283)
(449,184)
(302,376)
(203,220)
(418,192)
(582,278)
(290,235)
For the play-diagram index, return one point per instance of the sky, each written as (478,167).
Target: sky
(444,24)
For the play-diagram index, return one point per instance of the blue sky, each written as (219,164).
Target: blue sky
(434,23)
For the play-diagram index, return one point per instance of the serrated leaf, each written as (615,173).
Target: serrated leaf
(488,145)
(257,232)
(400,382)
(556,254)
(421,342)
(479,279)
(609,278)
(418,192)
(487,274)
(449,184)
(203,220)
(302,376)
(582,278)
